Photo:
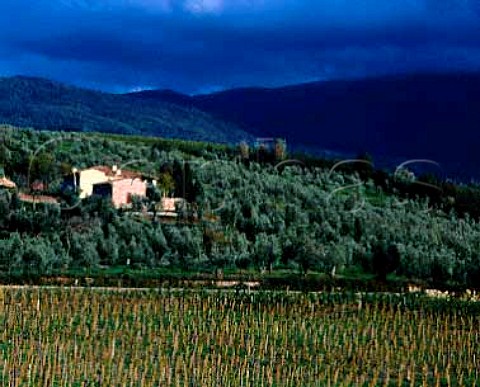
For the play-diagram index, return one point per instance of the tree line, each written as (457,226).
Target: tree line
(251,216)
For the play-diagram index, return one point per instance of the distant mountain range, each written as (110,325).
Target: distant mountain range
(44,104)
(395,118)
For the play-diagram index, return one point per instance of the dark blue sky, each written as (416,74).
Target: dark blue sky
(202,45)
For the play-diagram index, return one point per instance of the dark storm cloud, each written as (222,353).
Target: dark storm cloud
(195,45)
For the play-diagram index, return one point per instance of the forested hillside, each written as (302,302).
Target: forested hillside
(44,104)
(427,116)
(250,215)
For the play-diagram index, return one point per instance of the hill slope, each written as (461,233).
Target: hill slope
(43,104)
(435,116)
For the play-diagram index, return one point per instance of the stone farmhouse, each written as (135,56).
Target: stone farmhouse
(112,182)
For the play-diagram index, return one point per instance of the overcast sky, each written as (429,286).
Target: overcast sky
(196,46)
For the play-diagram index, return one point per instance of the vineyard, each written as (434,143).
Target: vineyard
(87,337)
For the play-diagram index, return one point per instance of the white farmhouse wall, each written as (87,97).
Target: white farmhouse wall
(88,178)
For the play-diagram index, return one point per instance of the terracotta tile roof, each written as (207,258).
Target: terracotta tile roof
(37,198)
(130,174)
(109,172)
(7,183)
(101,168)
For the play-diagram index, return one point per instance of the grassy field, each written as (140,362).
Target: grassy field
(86,337)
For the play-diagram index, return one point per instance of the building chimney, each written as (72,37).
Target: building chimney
(114,168)
(74,173)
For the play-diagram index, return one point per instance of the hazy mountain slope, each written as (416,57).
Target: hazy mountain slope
(43,104)
(435,116)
